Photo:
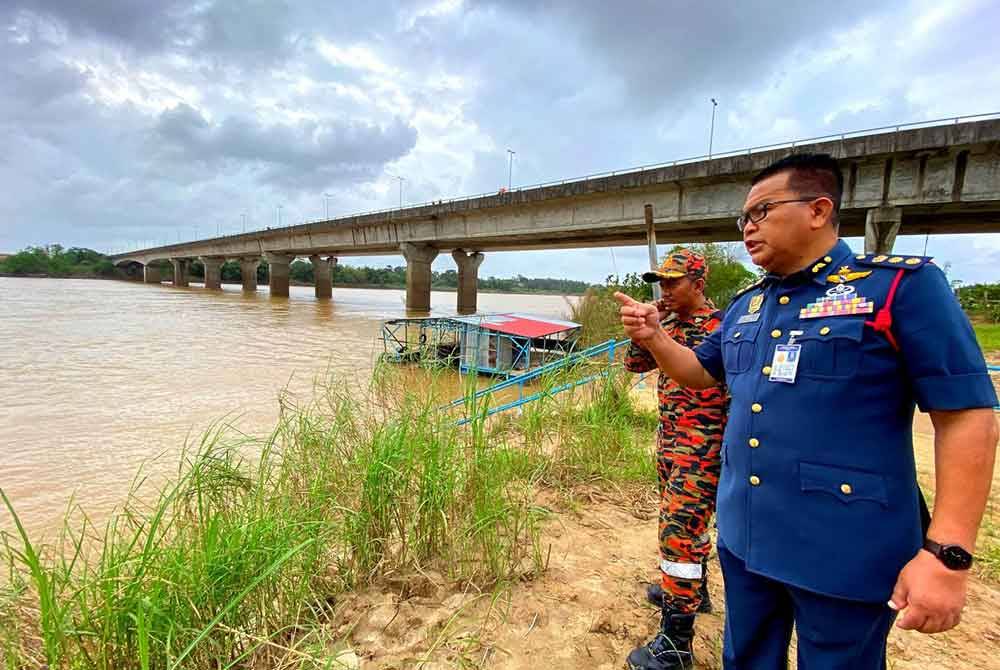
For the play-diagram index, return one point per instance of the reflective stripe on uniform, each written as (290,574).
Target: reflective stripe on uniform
(681,570)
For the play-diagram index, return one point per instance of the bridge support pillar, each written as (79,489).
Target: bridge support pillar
(213,272)
(881,228)
(248,273)
(468,279)
(418,275)
(277,272)
(151,274)
(323,275)
(180,271)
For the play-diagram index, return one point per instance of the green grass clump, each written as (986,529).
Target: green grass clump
(241,557)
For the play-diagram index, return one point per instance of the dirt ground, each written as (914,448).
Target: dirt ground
(588,609)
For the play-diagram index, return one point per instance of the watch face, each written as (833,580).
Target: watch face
(955,557)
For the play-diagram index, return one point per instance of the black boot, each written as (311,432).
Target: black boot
(705,607)
(670,649)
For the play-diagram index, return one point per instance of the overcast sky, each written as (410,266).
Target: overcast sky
(130,121)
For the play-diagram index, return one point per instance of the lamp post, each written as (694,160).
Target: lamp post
(278,208)
(326,201)
(401,180)
(510,165)
(244,217)
(711,132)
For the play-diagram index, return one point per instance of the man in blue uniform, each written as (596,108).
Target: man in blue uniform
(825,358)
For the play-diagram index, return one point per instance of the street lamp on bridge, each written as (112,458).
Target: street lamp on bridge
(510,165)
(711,132)
(401,180)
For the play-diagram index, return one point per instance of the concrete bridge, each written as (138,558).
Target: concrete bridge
(940,177)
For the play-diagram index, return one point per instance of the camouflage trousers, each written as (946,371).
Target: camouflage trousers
(688,465)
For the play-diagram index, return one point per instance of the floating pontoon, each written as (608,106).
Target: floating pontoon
(500,344)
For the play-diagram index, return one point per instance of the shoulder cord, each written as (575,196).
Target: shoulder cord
(883,324)
(883,320)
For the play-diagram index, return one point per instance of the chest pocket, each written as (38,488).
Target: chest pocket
(738,347)
(831,349)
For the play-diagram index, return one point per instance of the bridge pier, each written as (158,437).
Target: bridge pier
(248,273)
(418,275)
(213,272)
(323,275)
(881,227)
(151,274)
(180,271)
(277,272)
(468,279)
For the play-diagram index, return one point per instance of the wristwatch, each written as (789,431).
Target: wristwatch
(952,555)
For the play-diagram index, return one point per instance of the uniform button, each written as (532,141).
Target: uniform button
(754,480)
(846,489)
(861,257)
(825,330)
(827,259)
(784,300)
(756,408)
(775,333)
(736,334)
(766,369)
(754,442)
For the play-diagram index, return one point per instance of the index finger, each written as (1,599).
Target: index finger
(624,300)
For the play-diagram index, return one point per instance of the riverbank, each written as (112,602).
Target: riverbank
(241,559)
(369,530)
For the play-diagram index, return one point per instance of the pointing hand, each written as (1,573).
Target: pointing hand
(640,320)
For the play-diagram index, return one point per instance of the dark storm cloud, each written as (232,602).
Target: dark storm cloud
(309,150)
(143,24)
(236,32)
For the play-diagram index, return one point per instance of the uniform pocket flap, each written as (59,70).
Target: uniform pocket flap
(741,333)
(843,483)
(836,328)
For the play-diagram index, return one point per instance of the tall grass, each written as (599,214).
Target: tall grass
(241,560)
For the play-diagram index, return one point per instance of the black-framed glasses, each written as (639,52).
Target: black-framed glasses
(758,212)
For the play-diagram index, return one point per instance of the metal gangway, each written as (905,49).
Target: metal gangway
(606,349)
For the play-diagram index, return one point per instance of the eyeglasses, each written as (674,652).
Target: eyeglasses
(758,213)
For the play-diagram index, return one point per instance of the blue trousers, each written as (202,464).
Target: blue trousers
(833,634)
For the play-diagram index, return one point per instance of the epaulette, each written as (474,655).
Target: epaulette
(748,287)
(892,261)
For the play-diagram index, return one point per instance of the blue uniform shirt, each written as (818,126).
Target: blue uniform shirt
(818,485)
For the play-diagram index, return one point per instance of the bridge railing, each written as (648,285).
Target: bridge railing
(601,175)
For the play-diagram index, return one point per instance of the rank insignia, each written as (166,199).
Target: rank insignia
(846,274)
(840,300)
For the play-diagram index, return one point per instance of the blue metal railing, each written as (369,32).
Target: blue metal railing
(608,348)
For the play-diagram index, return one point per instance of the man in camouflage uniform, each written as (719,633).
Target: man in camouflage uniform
(689,442)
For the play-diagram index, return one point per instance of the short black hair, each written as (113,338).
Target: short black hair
(817,174)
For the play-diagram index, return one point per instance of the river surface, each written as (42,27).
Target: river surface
(99,377)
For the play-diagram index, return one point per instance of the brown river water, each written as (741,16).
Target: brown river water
(99,377)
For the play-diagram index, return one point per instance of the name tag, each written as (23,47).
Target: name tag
(785,363)
(748,318)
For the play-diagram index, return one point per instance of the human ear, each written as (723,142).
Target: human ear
(821,210)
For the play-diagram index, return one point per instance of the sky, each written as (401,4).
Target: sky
(128,123)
